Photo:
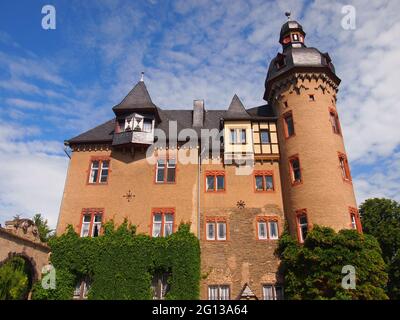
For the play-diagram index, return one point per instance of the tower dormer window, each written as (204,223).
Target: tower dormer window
(128,124)
(138,123)
(147,125)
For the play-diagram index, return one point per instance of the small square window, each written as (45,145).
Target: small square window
(264,181)
(215,230)
(91,223)
(166,171)
(311,97)
(163,222)
(218,292)
(215,181)
(264,137)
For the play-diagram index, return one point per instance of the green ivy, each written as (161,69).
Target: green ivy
(121,264)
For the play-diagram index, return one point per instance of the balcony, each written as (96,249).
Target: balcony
(133,137)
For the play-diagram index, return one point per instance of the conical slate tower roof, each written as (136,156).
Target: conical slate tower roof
(236,110)
(138,99)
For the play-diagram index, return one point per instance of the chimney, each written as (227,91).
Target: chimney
(198,113)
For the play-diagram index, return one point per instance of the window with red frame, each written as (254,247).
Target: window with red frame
(166,171)
(215,181)
(344,167)
(99,170)
(91,223)
(162,222)
(302,226)
(216,229)
(288,124)
(267,229)
(264,181)
(295,170)
(335,122)
(355,219)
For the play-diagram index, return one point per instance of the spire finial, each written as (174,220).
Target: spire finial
(288,14)
(142,77)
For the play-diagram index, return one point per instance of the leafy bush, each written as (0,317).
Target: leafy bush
(381,218)
(313,270)
(14,281)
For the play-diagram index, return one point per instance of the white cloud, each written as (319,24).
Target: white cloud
(381,182)
(32,174)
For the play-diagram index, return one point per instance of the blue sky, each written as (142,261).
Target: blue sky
(55,84)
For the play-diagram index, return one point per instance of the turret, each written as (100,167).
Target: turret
(301,86)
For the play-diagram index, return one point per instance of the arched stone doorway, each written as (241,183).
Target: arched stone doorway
(28,269)
(20,239)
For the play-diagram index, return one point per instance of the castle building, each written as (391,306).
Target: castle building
(237,175)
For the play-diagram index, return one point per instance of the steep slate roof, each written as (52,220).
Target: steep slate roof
(137,99)
(261,112)
(101,133)
(236,110)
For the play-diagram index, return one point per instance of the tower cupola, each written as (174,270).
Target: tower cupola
(292,34)
(296,57)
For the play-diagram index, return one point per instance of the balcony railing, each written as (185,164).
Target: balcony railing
(127,137)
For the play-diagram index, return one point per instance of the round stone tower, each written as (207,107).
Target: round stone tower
(301,86)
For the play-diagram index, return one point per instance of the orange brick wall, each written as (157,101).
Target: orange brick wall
(323,192)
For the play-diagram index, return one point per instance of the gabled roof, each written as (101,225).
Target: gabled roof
(236,110)
(247,293)
(137,99)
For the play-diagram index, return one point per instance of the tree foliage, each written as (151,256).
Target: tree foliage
(121,264)
(45,233)
(313,270)
(14,279)
(381,218)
